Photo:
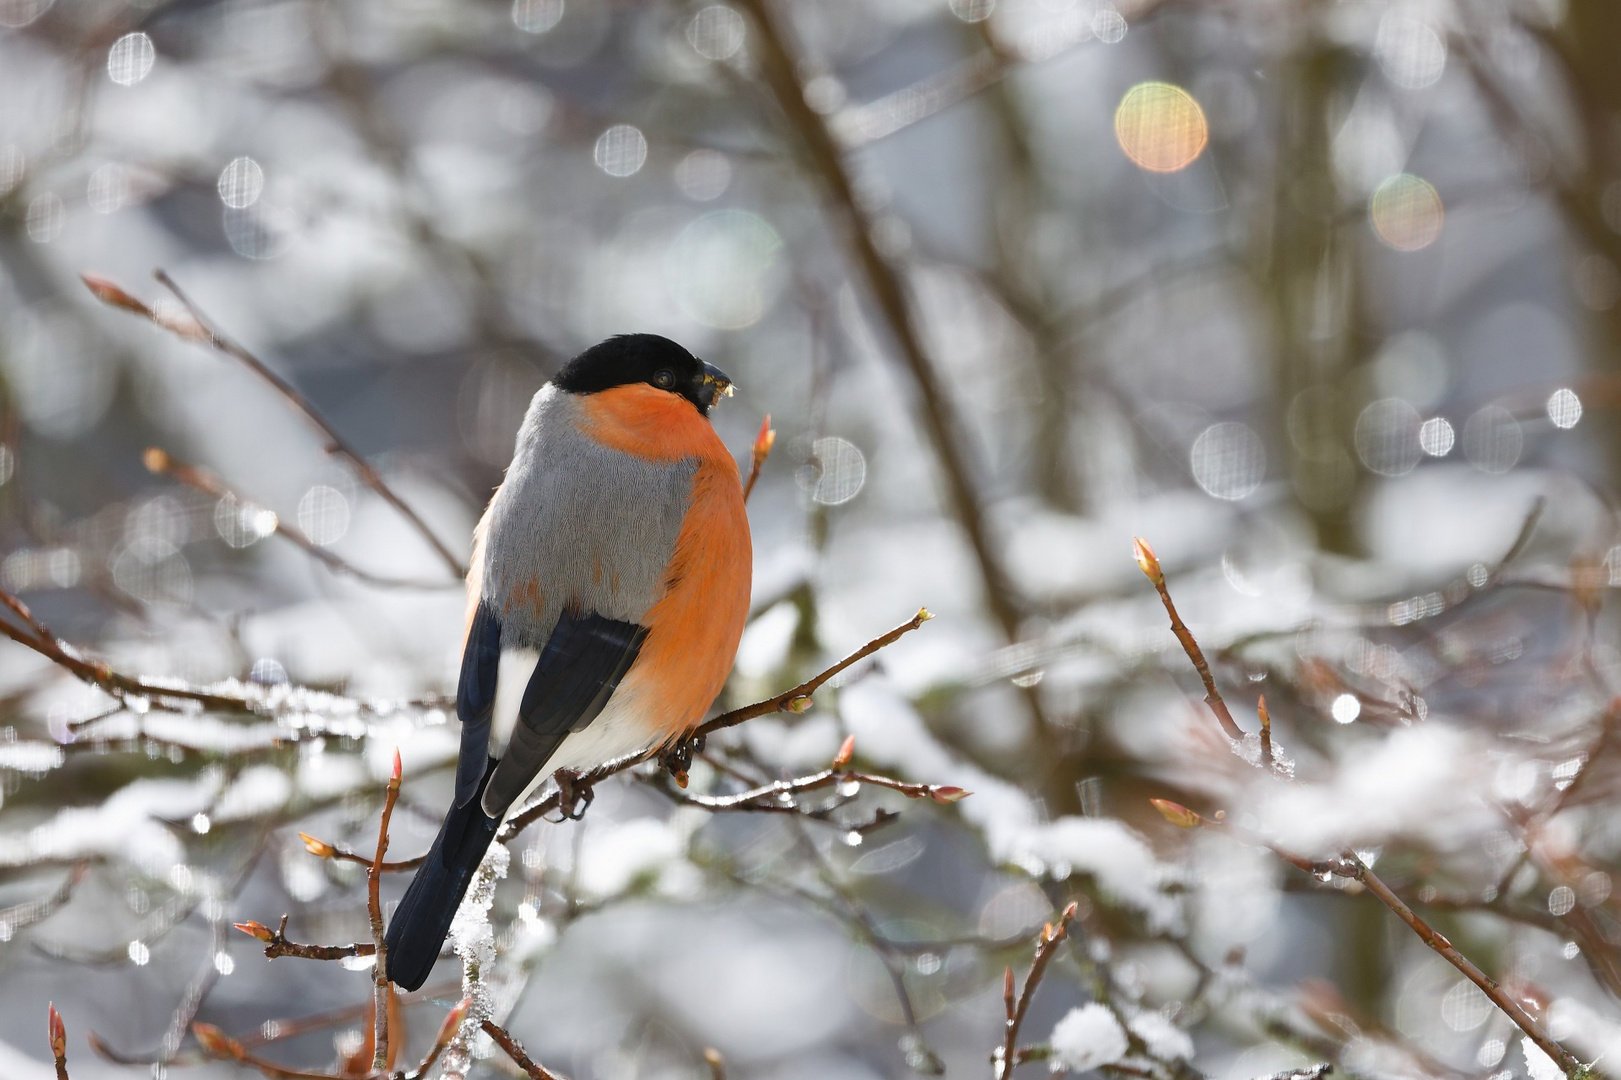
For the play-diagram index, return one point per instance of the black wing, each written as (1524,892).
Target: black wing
(475,699)
(578,671)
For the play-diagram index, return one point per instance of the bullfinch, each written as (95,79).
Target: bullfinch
(608,590)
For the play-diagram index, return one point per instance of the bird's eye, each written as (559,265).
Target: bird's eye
(664,379)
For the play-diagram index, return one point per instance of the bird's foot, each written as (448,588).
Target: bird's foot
(575,794)
(678,758)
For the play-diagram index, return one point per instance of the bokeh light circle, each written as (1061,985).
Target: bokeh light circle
(621,150)
(1406,212)
(1410,52)
(130,59)
(1436,436)
(1492,440)
(241,183)
(1387,437)
(973,11)
(536,16)
(1160,127)
(835,471)
(1228,460)
(723,268)
(1564,408)
(716,32)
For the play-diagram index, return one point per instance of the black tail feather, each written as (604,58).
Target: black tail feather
(422,921)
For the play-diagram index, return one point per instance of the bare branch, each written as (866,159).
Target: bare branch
(796,700)
(514,1051)
(1149,563)
(1052,935)
(196,327)
(277,945)
(40,639)
(161,463)
(381,1052)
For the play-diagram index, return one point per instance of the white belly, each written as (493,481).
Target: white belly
(621,728)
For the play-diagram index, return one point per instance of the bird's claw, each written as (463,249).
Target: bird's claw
(678,758)
(575,794)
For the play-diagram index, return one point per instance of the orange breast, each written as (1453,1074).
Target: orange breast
(694,628)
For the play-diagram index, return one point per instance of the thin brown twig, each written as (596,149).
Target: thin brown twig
(374,909)
(1350,865)
(216,1043)
(323,850)
(161,463)
(1266,733)
(97,673)
(796,700)
(944,428)
(1149,563)
(201,330)
(1052,935)
(514,1051)
(769,797)
(277,945)
(1567,1062)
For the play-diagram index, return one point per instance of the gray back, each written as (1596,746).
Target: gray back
(577,521)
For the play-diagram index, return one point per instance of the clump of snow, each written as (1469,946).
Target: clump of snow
(473,939)
(766,642)
(127,827)
(1539,1064)
(30,756)
(326,775)
(209,733)
(421,748)
(260,789)
(890,733)
(1087,1038)
(1422,780)
(1122,864)
(1163,1039)
(621,856)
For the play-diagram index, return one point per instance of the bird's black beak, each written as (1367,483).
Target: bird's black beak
(712,384)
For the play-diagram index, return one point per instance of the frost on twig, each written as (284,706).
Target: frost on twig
(473,940)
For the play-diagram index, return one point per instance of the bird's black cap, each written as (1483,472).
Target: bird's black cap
(643,358)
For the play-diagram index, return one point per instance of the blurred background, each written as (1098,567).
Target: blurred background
(1319,296)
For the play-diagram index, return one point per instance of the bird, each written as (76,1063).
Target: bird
(606,596)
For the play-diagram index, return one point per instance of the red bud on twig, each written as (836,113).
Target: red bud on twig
(111,294)
(798,704)
(453,1021)
(765,440)
(59,1033)
(846,752)
(1176,813)
(319,848)
(1147,561)
(398,771)
(257,930)
(217,1043)
(947,794)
